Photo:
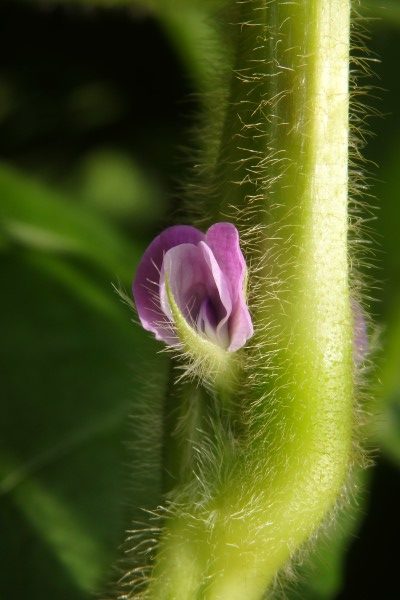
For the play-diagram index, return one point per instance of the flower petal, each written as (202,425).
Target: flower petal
(224,299)
(223,240)
(240,326)
(146,286)
(206,278)
(199,288)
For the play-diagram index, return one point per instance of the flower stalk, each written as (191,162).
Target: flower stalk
(262,476)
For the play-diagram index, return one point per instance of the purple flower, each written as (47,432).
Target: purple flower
(205,273)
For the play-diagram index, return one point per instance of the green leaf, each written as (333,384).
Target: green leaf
(37,217)
(385,395)
(386,428)
(58,525)
(387,11)
(112,184)
(187,24)
(74,371)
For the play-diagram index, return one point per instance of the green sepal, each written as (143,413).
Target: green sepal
(201,357)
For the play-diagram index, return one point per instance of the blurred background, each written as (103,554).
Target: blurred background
(96,101)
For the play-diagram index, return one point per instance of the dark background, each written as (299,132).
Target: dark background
(95,108)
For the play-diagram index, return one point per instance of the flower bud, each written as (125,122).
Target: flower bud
(189,291)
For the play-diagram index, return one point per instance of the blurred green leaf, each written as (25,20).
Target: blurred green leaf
(386,390)
(94,104)
(196,39)
(58,525)
(111,183)
(73,375)
(77,282)
(188,26)
(387,10)
(386,427)
(40,218)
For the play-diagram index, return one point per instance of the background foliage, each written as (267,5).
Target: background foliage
(95,101)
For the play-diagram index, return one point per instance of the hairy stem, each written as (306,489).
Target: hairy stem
(281,174)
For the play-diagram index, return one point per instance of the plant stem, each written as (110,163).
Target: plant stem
(282,174)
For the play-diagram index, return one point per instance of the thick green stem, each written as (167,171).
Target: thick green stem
(281,175)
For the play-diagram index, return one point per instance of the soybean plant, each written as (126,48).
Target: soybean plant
(256,297)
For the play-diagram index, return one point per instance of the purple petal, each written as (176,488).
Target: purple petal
(221,283)
(146,291)
(199,288)
(240,326)
(207,323)
(223,240)
(206,274)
